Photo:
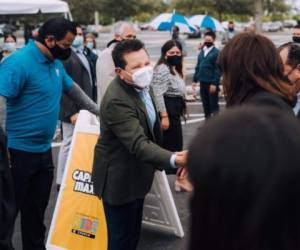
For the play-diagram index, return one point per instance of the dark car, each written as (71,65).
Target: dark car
(195,34)
(8,28)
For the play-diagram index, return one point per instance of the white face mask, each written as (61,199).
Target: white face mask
(143,77)
(90,45)
(78,42)
(10,47)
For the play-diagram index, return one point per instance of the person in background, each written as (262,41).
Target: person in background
(105,66)
(252,72)
(82,69)
(250,29)
(229,34)
(28,32)
(9,46)
(207,30)
(176,36)
(244,166)
(207,73)
(169,91)
(290,55)
(201,45)
(127,153)
(90,42)
(296,33)
(32,81)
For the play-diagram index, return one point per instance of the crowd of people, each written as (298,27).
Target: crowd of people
(241,166)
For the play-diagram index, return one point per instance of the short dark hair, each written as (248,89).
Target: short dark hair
(77,25)
(57,27)
(123,48)
(211,34)
(10,35)
(293,58)
(176,28)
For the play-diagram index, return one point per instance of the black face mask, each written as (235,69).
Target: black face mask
(174,60)
(296,39)
(208,44)
(59,53)
(231,29)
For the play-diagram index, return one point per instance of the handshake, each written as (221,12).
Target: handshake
(181,158)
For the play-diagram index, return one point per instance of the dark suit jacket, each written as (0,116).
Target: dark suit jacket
(206,70)
(80,75)
(265,98)
(126,154)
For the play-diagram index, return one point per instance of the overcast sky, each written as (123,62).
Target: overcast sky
(294,1)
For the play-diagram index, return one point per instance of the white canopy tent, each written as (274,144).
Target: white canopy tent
(23,7)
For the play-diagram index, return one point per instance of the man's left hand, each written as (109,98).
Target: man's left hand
(74,119)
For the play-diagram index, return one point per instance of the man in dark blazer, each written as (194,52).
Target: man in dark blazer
(127,152)
(81,66)
(208,75)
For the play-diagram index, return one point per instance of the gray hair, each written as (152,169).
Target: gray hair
(119,27)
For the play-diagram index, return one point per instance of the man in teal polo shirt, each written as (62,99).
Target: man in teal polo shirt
(31,85)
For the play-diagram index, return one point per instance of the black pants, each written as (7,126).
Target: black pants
(210,101)
(32,175)
(7,201)
(172,138)
(124,224)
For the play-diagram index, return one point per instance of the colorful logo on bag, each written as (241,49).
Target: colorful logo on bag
(83,182)
(85,226)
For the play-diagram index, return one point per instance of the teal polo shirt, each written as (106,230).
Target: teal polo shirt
(33,86)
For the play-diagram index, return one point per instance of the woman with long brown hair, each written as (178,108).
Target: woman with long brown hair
(243,164)
(253,72)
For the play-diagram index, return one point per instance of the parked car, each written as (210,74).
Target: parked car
(289,23)
(144,26)
(272,26)
(266,27)
(91,28)
(195,34)
(7,28)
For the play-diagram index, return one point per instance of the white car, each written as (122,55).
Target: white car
(289,23)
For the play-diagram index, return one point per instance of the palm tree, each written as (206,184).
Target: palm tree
(259,11)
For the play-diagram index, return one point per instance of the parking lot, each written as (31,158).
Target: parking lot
(150,239)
